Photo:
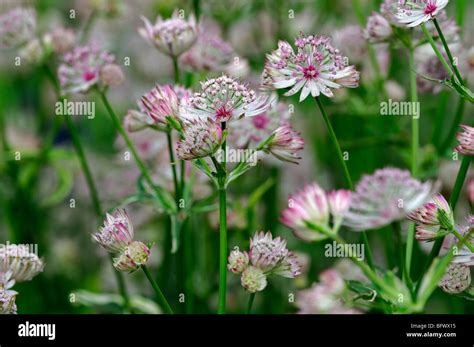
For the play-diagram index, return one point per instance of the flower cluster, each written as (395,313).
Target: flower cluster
(116,236)
(17,27)
(201,138)
(315,68)
(456,279)
(172,36)
(225,99)
(386,196)
(267,256)
(466,140)
(82,68)
(434,219)
(310,210)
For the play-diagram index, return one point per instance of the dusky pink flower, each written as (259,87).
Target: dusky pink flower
(62,39)
(285,144)
(415,12)
(80,69)
(17,27)
(466,140)
(315,68)
(386,196)
(378,28)
(201,138)
(117,232)
(339,202)
(171,36)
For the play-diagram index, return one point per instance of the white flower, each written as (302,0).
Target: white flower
(415,12)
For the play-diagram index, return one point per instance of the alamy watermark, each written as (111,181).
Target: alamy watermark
(75,108)
(237,156)
(400,108)
(347,250)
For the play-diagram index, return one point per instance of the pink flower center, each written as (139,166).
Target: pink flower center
(310,72)
(88,76)
(223,113)
(260,121)
(430,7)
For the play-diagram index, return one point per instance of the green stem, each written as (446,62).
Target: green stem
(463,240)
(448,51)
(197,9)
(250,303)
(436,50)
(454,126)
(159,294)
(414,121)
(347,176)
(176,70)
(222,229)
(460,11)
(88,26)
(122,289)
(177,192)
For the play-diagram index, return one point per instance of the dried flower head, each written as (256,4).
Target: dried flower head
(132,257)
(415,12)
(80,70)
(117,232)
(171,36)
(19,262)
(386,196)
(17,27)
(238,261)
(466,140)
(201,138)
(253,279)
(285,144)
(456,279)
(225,99)
(315,68)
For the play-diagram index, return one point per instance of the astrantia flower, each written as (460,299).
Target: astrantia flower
(238,261)
(21,264)
(285,144)
(164,101)
(225,99)
(434,219)
(416,12)
(253,279)
(378,28)
(386,196)
(170,36)
(466,140)
(135,121)
(339,202)
(308,206)
(117,232)
(7,301)
(62,39)
(456,279)
(272,257)
(200,139)
(315,68)
(81,67)
(132,257)
(111,75)
(17,27)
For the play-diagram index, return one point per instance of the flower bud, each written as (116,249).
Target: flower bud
(136,121)
(111,75)
(253,279)
(62,40)
(238,261)
(135,255)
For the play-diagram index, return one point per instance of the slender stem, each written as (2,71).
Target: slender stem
(460,11)
(88,26)
(222,230)
(197,9)
(176,70)
(448,51)
(250,303)
(397,239)
(177,191)
(454,126)
(464,241)
(414,121)
(159,294)
(347,176)
(122,289)
(436,50)
(130,145)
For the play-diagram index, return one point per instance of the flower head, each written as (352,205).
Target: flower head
(135,121)
(285,143)
(81,68)
(132,257)
(253,279)
(307,207)
(62,39)
(117,232)
(164,101)
(272,257)
(415,12)
(19,264)
(378,28)
(17,27)
(456,279)
(7,301)
(466,140)
(111,75)
(171,36)
(386,196)
(315,68)
(225,99)
(238,261)
(201,138)
(339,202)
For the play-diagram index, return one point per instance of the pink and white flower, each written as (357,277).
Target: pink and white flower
(386,196)
(200,139)
(80,69)
(117,232)
(285,143)
(415,12)
(466,140)
(238,261)
(315,68)
(172,36)
(253,279)
(339,202)
(456,279)
(17,27)
(18,264)
(132,257)
(378,28)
